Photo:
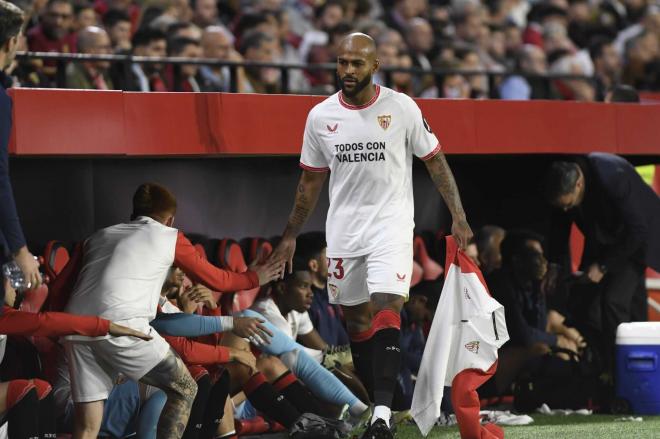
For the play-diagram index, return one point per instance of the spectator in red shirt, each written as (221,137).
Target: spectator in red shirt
(53,34)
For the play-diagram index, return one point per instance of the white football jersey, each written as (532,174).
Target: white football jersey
(124,268)
(369,151)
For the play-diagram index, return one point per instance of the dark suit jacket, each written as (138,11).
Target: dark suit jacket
(11,234)
(619,216)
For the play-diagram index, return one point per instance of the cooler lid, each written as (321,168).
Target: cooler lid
(642,333)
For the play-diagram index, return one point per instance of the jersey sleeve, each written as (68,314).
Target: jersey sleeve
(200,270)
(312,157)
(305,325)
(51,324)
(424,143)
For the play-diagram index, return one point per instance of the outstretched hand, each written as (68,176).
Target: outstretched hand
(284,254)
(120,331)
(268,270)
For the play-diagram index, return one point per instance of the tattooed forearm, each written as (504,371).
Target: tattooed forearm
(444,181)
(307,194)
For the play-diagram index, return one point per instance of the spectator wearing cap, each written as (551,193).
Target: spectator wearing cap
(91,75)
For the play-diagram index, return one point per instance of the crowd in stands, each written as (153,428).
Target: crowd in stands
(610,41)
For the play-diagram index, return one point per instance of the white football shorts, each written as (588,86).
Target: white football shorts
(94,365)
(386,270)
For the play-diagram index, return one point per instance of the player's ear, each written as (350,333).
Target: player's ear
(313,265)
(376,65)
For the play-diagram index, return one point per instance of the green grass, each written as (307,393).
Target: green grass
(559,427)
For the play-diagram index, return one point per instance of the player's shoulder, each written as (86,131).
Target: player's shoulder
(397,98)
(330,103)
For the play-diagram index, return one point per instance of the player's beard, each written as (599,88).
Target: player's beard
(359,86)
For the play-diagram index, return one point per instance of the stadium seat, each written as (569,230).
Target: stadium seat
(230,257)
(432,270)
(256,249)
(55,257)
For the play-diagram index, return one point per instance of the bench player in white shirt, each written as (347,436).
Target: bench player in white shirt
(365,136)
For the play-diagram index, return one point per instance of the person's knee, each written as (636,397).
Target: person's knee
(272,367)
(387,301)
(358,317)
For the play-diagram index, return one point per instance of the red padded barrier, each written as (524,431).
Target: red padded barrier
(75,122)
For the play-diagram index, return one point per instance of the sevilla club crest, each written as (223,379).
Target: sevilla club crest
(473,347)
(334,290)
(385,121)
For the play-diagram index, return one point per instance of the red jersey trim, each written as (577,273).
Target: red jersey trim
(433,153)
(312,168)
(359,107)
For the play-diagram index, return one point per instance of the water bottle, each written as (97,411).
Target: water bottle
(12,271)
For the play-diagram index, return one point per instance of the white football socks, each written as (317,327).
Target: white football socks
(382,412)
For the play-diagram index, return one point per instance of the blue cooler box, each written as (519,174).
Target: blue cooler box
(637,368)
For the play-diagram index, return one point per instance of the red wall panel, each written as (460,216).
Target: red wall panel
(61,122)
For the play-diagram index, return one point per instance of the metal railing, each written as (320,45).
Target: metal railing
(62,59)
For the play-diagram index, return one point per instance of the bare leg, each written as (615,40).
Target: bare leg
(227,423)
(87,419)
(173,378)
(4,388)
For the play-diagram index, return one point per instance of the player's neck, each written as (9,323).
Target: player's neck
(361,98)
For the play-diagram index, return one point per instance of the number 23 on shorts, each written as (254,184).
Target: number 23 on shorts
(338,271)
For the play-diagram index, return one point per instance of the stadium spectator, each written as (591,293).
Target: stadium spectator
(144,77)
(11,233)
(186,77)
(531,60)
(91,75)
(403,81)
(261,47)
(622,93)
(118,25)
(84,15)
(619,215)
(420,42)
(607,66)
(218,43)
(205,13)
(54,32)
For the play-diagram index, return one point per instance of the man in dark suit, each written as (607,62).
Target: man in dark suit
(11,234)
(619,216)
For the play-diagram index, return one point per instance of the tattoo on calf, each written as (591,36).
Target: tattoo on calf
(172,377)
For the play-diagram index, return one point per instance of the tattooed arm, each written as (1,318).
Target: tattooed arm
(444,181)
(307,194)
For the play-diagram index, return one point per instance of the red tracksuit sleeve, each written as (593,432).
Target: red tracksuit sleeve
(59,290)
(51,324)
(192,352)
(201,271)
